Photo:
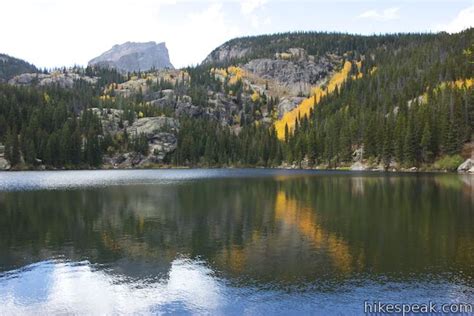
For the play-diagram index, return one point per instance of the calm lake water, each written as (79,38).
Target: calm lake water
(232,241)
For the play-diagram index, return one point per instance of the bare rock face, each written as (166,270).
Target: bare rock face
(63,79)
(294,69)
(225,53)
(186,108)
(129,57)
(160,144)
(160,132)
(288,104)
(111,120)
(150,126)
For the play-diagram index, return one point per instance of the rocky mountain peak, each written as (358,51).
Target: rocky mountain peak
(132,56)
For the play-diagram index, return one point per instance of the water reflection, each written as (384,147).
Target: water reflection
(82,288)
(56,286)
(225,242)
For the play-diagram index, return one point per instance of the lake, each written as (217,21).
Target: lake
(236,241)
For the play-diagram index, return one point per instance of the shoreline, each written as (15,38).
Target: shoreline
(173,167)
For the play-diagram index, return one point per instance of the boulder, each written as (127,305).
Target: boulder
(359,166)
(162,104)
(187,109)
(168,93)
(467,166)
(358,154)
(160,145)
(4,164)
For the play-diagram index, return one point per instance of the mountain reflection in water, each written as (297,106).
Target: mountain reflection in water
(232,241)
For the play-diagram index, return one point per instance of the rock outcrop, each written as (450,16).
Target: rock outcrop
(63,79)
(288,104)
(149,126)
(226,53)
(295,70)
(160,133)
(129,57)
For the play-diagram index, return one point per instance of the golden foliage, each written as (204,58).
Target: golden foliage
(235,73)
(306,105)
(458,84)
(469,53)
(105,97)
(285,56)
(46,97)
(219,72)
(255,96)
(306,222)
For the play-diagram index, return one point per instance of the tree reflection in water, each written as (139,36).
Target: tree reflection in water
(157,241)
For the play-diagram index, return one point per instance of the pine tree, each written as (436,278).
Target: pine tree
(410,146)
(12,148)
(93,152)
(426,143)
(76,147)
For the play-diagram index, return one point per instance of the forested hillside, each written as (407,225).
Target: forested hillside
(10,67)
(407,101)
(308,100)
(412,104)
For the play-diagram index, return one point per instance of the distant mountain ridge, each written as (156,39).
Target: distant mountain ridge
(132,56)
(11,67)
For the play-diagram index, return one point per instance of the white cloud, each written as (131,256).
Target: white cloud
(249,6)
(51,33)
(198,34)
(76,285)
(385,15)
(253,11)
(258,21)
(462,21)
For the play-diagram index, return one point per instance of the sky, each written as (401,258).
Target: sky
(55,33)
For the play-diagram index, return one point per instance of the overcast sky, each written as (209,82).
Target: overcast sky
(52,33)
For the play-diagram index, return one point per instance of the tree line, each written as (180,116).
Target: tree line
(412,104)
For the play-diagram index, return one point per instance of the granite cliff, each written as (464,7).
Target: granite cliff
(130,56)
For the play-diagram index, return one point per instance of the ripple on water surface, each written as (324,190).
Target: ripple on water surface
(57,286)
